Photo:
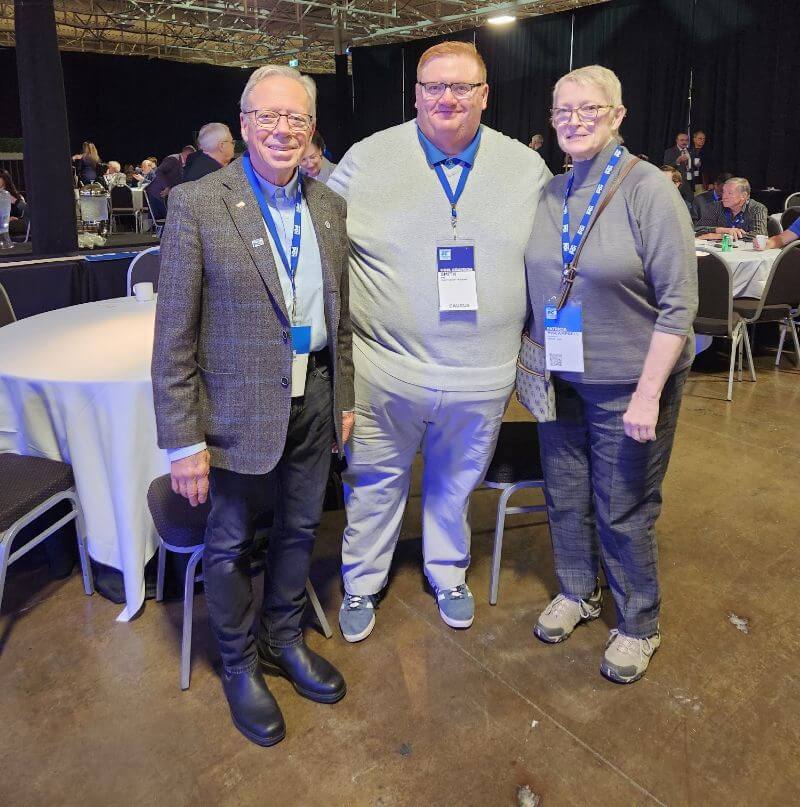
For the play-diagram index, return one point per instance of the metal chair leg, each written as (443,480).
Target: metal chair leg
(5,552)
(83,546)
(162,562)
(793,329)
(749,351)
(734,347)
(780,344)
(320,614)
(497,551)
(188,607)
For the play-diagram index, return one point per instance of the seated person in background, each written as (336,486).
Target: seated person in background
(736,214)
(704,202)
(674,175)
(147,170)
(537,141)
(18,221)
(129,171)
(113,176)
(216,151)
(314,163)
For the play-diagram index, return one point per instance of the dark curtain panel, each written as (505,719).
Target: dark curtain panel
(648,45)
(377,89)
(132,107)
(523,62)
(411,53)
(746,94)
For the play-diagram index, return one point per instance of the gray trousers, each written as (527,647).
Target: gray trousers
(604,496)
(457,433)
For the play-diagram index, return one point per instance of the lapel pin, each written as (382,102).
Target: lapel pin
(328,224)
(258,242)
(240,204)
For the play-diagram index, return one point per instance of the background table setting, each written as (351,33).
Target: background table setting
(749,267)
(75,386)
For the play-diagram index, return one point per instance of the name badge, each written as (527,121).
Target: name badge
(301,345)
(455,270)
(563,337)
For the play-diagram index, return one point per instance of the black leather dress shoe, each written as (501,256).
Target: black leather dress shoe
(253,709)
(311,675)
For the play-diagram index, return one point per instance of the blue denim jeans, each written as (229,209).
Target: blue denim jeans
(603,493)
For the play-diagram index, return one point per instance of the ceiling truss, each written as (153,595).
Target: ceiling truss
(248,33)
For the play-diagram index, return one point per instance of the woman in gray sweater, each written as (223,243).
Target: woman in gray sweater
(619,355)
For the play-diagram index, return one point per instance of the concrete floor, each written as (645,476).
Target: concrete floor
(92,713)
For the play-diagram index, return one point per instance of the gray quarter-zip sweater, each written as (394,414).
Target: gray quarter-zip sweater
(637,272)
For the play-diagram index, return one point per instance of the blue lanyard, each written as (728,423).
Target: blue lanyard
(570,247)
(451,196)
(290,263)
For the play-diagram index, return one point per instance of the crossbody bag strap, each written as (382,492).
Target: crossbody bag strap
(568,278)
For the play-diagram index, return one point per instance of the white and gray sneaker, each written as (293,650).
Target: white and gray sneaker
(357,616)
(563,615)
(626,658)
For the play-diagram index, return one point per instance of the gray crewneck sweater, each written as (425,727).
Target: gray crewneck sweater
(637,272)
(396,211)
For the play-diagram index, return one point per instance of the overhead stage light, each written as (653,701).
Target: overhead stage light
(501,19)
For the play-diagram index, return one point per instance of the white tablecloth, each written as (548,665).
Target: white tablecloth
(750,268)
(138,198)
(75,386)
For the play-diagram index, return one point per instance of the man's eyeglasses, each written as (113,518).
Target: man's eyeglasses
(588,113)
(461,89)
(268,119)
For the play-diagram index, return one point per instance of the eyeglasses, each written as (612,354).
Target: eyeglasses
(587,113)
(268,119)
(461,89)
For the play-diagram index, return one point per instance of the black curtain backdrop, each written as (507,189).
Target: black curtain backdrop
(132,107)
(377,89)
(648,45)
(746,95)
(523,64)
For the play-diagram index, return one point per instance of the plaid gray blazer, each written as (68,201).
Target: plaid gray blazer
(222,349)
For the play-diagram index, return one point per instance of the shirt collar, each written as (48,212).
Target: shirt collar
(434,155)
(271,191)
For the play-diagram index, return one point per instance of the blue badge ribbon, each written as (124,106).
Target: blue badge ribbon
(289,263)
(737,220)
(570,247)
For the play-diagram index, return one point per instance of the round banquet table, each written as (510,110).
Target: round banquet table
(75,386)
(750,268)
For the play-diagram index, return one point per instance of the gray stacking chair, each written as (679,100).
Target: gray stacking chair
(716,315)
(181,528)
(516,464)
(780,301)
(7,315)
(29,487)
(145,268)
(792,200)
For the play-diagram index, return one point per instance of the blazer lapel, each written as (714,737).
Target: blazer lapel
(244,211)
(322,216)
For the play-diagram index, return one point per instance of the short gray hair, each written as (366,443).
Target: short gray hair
(594,75)
(742,185)
(209,136)
(115,165)
(269,70)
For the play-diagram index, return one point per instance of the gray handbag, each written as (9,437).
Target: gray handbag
(534,387)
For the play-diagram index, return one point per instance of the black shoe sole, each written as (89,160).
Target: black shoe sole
(274,669)
(264,742)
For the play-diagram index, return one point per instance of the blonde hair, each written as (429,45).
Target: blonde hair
(90,152)
(269,70)
(452,48)
(594,75)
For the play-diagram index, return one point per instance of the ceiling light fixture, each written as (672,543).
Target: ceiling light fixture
(501,19)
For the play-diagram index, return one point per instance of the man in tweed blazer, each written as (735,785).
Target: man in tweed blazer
(253,382)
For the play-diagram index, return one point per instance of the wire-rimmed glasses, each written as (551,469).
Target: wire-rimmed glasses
(269,118)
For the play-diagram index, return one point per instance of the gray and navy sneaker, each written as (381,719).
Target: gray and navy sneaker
(456,606)
(357,616)
(563,615)
(626,657)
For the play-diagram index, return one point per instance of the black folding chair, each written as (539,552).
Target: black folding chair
(716,315)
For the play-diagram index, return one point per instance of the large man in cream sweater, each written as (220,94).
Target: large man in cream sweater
(439,213)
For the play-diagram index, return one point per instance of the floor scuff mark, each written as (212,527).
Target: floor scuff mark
(741,623)
(526,797)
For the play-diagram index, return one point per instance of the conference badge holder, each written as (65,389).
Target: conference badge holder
(455,272)
(301,345)
(563,337)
